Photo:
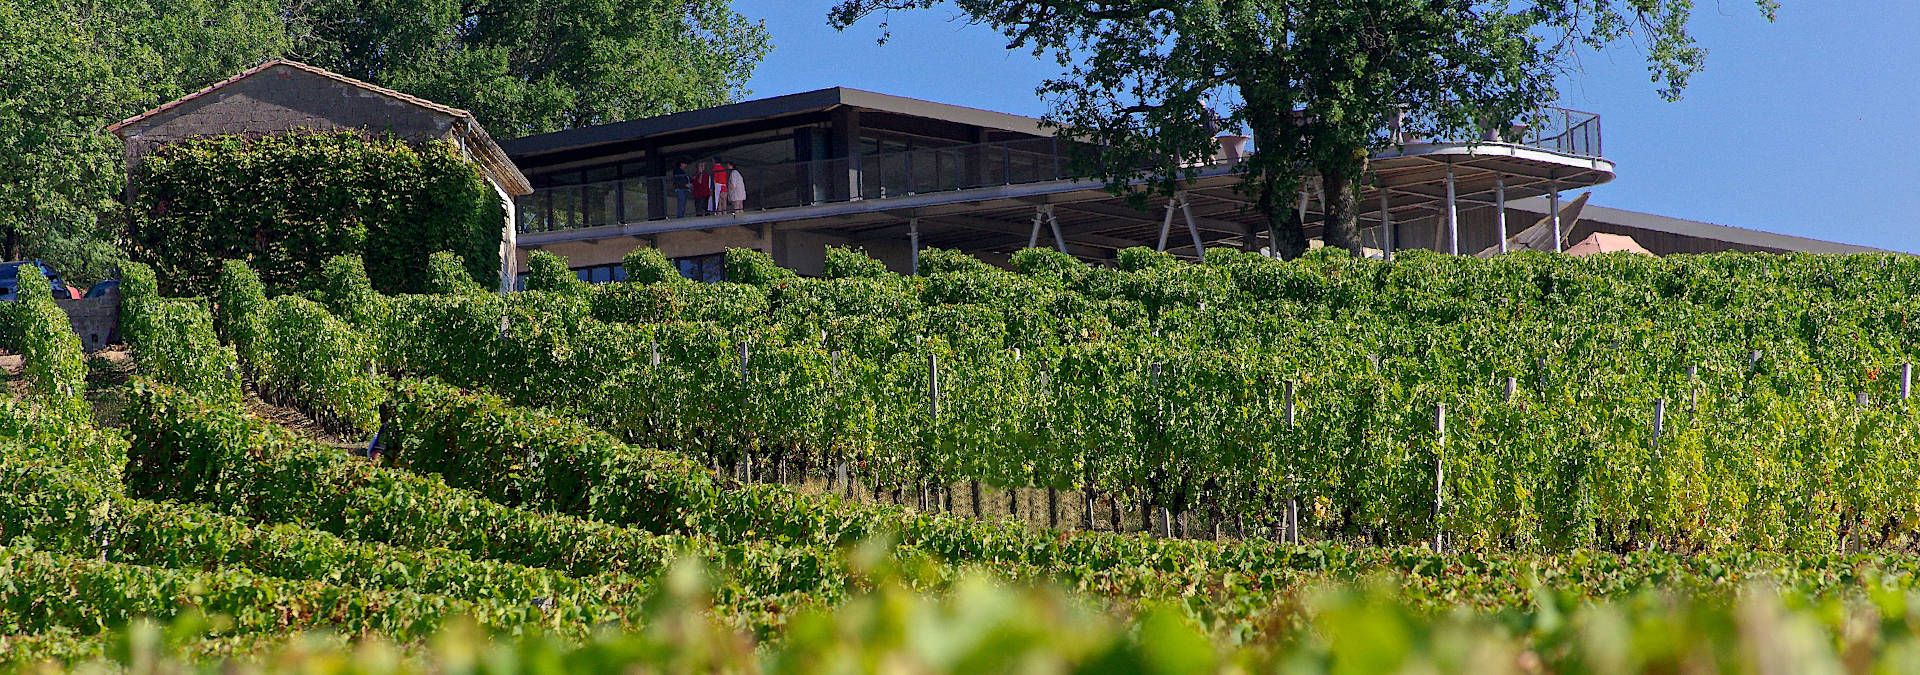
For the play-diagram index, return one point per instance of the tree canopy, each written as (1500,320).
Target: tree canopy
(532,66)
(1316,83)
(69,68)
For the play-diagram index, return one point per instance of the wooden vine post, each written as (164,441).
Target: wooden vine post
(1290,520)
(1439,476)
(1659,420)
(746,458)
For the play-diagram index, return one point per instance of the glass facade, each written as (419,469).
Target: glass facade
(706,269)
(773,169)
(711,268)
(601,274)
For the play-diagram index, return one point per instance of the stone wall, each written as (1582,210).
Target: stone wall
(280,99)
(95,320)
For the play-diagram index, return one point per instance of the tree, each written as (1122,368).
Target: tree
(1314,81)
(68,68)
(531,66)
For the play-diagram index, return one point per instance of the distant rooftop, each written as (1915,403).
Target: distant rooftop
(1701,230)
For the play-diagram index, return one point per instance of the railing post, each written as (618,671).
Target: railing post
(913,235)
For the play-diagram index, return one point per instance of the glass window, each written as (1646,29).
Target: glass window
(633,199)
(601,274)
(566,208)
(601,174)
(706,269)
(602,204)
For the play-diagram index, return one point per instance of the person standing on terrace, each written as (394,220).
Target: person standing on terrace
(737,190)
(682,187)
(717,175)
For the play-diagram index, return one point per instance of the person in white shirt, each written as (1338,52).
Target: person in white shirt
(737,190)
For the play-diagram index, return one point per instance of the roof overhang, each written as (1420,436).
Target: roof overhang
(820,100)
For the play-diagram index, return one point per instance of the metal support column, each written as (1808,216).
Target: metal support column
(1386,222)
(1053,220)
(1553,204)
(1033,238)
(1193,227)
(1166,225)
(1500,208)
(913,241)
(1453,215)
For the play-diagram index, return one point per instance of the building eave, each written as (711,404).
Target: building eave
(819,100)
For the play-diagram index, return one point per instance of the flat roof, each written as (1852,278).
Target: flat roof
(1700,229)
(769,108)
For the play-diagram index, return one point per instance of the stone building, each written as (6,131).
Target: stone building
(282,96)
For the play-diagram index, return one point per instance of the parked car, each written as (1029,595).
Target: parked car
(10,280)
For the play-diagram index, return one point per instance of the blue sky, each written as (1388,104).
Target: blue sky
(1808,126)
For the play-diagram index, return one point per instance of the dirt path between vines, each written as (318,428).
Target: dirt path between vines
(293,420)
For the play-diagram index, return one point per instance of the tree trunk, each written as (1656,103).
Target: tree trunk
(1341,229)
(1287,234)
(1271,179)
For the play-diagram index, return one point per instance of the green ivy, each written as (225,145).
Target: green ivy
(287,203)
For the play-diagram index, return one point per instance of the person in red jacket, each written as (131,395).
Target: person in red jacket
(717,187)
(702,190)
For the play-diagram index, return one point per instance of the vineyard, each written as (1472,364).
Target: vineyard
(1524,464)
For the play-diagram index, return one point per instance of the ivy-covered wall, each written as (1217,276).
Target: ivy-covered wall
(286,203)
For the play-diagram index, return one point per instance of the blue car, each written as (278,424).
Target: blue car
(10,279)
